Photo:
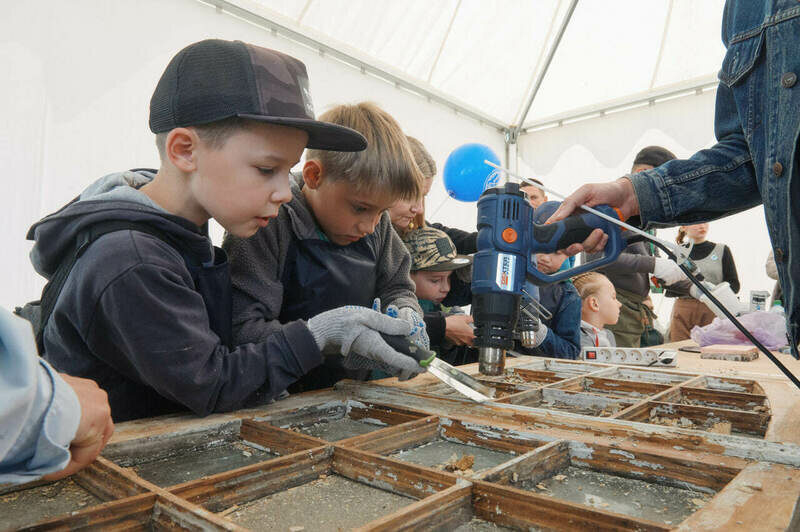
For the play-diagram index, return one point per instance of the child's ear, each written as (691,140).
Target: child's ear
(594,304)
(312,174)
(180,148)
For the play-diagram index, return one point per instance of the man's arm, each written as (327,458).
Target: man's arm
(712,183)
(39,412)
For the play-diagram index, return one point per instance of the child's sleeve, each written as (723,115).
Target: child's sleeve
(437,326)
(394,285)
(256,265)
(628,262)
(563,339)
(729,270)
(151,325)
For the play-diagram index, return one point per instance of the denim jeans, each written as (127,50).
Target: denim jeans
(756,158)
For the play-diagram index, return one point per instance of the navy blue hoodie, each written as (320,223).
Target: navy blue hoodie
(130,317)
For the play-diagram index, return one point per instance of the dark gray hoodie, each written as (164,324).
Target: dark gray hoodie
(131,318)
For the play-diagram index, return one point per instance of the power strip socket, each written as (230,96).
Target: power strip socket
(631,356)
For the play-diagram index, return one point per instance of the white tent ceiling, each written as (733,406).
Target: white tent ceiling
(483,57)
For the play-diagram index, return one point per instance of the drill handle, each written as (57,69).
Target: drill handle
(574,229)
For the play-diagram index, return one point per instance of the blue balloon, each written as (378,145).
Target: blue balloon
(466,176)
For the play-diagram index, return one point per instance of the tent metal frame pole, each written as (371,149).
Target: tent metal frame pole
(516,129)
(364,66)
(691,88)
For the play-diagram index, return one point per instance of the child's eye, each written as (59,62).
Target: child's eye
(266,171)
(358,210)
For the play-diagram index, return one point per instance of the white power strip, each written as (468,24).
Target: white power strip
(632,356)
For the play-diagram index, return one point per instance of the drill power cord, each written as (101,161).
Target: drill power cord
(700,286)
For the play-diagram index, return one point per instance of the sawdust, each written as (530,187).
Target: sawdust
(510,377)
(29,505)
(714,425)
(682,422)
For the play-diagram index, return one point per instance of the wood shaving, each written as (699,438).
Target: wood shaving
(454,463)
(698,502)
(560,477)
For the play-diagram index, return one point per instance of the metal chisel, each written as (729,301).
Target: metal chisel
(453,377)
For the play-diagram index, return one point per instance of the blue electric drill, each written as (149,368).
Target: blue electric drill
(507,244)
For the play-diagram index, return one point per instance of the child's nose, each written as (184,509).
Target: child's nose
(283,194)
(366,226)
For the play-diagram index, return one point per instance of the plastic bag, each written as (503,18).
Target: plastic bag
(769,328)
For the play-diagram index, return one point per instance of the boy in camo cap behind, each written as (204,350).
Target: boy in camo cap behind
(433,260)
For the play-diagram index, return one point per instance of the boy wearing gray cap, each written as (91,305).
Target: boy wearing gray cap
(140,299)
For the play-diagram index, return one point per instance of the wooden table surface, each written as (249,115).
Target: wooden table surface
(784,397)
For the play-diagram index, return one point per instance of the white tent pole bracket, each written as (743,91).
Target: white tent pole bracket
(691,87)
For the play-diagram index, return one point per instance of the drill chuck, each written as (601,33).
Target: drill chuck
(491,360)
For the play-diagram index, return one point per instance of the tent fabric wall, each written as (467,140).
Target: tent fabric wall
(76,94)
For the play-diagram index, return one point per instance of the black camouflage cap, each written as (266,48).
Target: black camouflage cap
(432,250)
(214,79)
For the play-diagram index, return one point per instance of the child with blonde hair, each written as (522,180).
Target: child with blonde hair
(599,308)
(332,243)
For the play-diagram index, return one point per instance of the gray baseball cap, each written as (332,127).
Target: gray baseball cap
(214,79)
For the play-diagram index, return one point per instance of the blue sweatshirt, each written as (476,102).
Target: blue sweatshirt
(131,318)
(563,338)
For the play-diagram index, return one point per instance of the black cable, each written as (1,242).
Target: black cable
(730,316)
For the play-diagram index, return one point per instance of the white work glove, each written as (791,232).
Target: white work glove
(696,293)
(540,335)
(355,332)
(418,334)
(668,271)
